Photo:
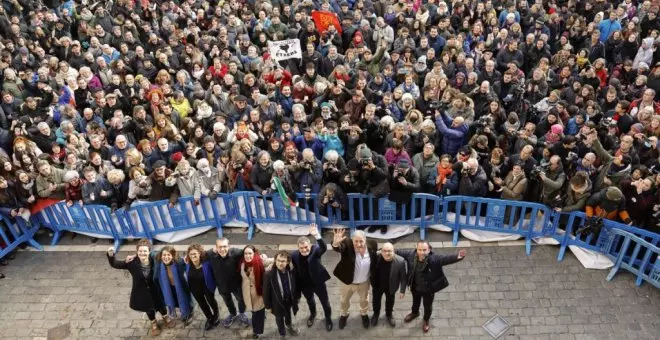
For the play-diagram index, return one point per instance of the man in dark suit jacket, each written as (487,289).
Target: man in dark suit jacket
(390,276)
(224,261)
(278,292)
(426,277)
(356,265)
(311,275)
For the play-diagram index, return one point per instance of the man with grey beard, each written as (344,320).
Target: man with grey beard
(311,275)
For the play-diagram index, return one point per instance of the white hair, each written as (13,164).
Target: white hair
(202,163)
(332,155)
(219,126)
(307,153)
(278,165)
(360,234)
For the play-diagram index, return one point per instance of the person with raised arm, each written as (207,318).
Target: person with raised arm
(311,275)
(355,267)
(145,294)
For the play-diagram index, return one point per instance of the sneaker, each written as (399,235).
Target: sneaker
(390,321)
(365,321)
(155,329)
(328,325)
(383,230)
(208,325)
(310,320)
(228,321)
(426,326)
(293,330)
(410,317)
(372,229)
(342,321)
(245,321)
(255,336)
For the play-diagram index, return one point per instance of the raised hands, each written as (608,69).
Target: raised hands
(338,236)
(313,230)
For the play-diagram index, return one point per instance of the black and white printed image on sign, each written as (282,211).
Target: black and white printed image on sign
(285,49)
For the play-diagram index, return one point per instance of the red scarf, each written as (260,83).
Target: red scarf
(257,270)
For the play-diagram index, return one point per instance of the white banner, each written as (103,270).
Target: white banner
(285,49)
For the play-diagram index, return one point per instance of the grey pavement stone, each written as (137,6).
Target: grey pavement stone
(542,299)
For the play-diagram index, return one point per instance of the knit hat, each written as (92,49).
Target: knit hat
(365,153)
(177,157)
(613,194)
(403,164)
(557,129)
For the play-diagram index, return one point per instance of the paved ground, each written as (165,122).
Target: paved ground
(541,298)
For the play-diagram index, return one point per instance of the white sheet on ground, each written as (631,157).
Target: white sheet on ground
(591,259)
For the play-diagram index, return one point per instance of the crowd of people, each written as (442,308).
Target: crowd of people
(163,282)
(116,102)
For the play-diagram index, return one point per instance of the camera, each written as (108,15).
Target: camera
(537,170)
(482,123)
(572,156)
(607,122)
(307,164)
(364,161)
(435,105)
(592,226)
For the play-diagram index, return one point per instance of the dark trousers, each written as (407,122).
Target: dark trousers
(428,303)
(377,300)
(284,319)
(206,302)
(258,321)
(152,313)
(229,302)
(322,292)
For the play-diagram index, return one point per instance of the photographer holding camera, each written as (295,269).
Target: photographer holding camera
(374,175)
(309,173)
(553,180)
(404,182)
(473,179)
(333,167)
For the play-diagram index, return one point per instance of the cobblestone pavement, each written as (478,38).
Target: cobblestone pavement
(541,299)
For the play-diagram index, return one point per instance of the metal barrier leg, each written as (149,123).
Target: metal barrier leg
(29,233)
(528,246)
(117,244)
(35,244)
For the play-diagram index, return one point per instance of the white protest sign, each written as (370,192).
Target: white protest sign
(285,49)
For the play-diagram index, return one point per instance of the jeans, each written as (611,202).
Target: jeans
(258,321)
(207,303)
(229,302)
(322,292)
(377,299)
(428,303)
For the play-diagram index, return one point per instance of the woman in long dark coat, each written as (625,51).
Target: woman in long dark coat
(145,294)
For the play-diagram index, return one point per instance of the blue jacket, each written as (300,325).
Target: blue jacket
(180,286)
(332,142)
(316,145)
(453,137)
(607,27)
(310,179)
(316,269)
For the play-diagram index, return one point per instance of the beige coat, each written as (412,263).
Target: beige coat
(253,301)
(514,188)
(43,184)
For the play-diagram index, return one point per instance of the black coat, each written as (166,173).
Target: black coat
(273,296)
(225,270)
(398,275)
(316,269)
(145,294)
(346,267)
(433,273)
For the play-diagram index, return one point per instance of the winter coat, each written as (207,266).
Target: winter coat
(260,177)
(145,293)
(453,137)
(427,169)
(514,188)
(274,292)
(345,268)
(189,185)
(43,184)
(606,160)
(433,274)
(474,185)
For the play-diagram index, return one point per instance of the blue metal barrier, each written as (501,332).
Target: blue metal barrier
(605,241)
(645,269)
(147,219)
(15,234)
(527,219)
(499,216)
(94,220)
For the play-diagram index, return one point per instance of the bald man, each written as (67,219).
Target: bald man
(390,276)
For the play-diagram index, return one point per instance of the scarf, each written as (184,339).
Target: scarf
(257,270)
(183,297)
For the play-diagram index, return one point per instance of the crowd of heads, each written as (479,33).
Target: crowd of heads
(114,102)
